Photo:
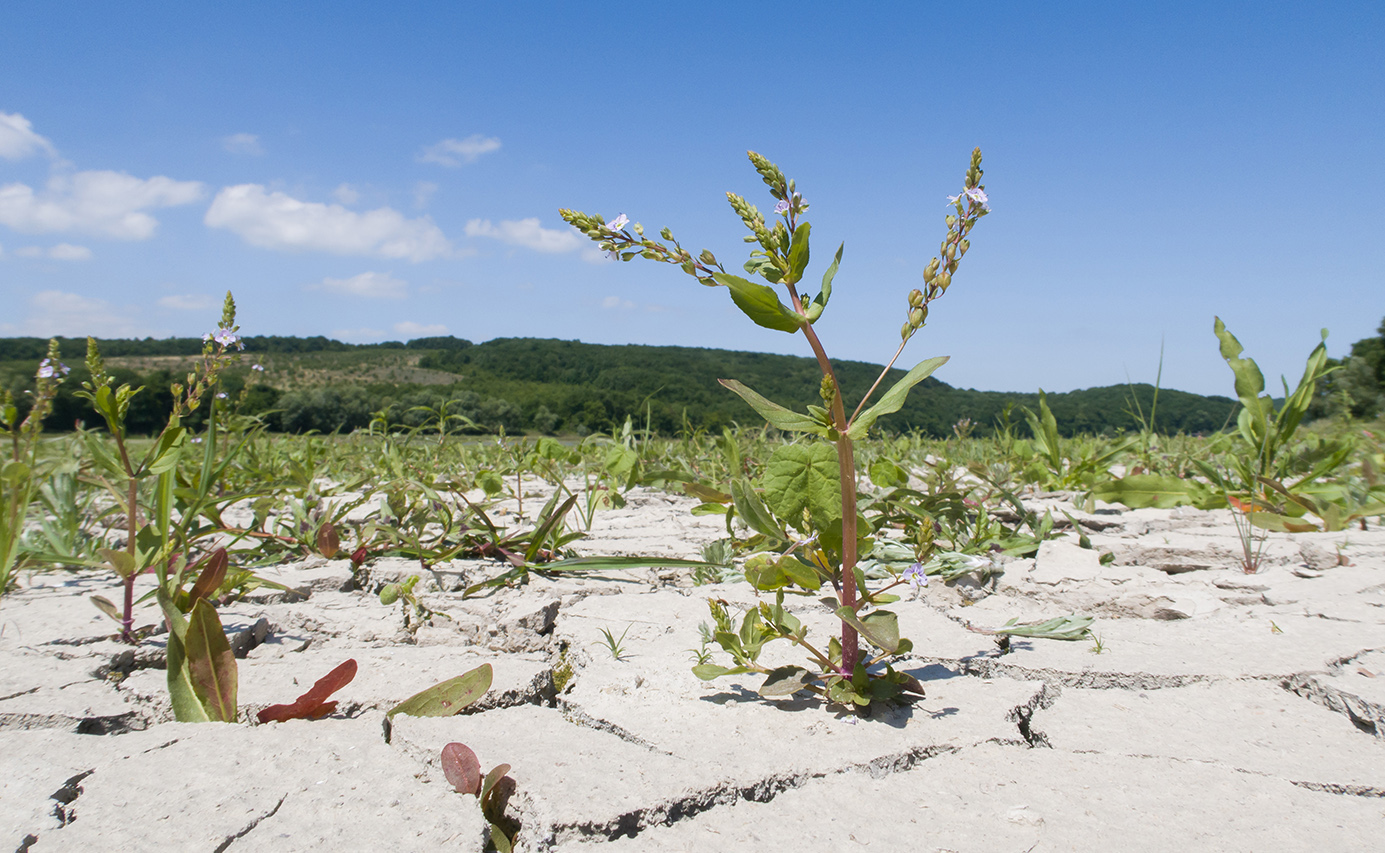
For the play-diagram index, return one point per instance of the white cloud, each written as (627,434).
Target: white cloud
(189,302)
(274,220)
(60,252)
(346,194)
(527,233)
(423,192)
(410,329)
(110,204)
(18,140)
(70,315)
(357,334)
(372,285)
(242,143)
(617,302)
(456,152)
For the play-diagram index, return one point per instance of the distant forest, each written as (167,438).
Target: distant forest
(568,387)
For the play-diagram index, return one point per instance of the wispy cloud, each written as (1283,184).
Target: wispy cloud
(371,285)
(527,233)
(410,329)
(110,204)
(458,152)
(53,312)
(60,252)
(423,193)
(346,194)
(18,140)
(275,220)
(189,302)
(243,143)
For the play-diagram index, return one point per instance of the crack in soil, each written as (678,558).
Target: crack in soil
(66,796)
(231,839)
(764,790)
(990,667)
(1365,715)
(578,717)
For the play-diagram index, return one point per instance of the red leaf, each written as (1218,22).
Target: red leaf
(212,574)
(313,705)
(462,769)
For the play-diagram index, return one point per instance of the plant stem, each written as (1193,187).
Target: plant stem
(846,468)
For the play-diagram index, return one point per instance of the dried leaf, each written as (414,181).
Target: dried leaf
(312,705)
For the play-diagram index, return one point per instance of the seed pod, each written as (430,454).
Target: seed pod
(930,271)
(917,316)
(707,257)
(950,251)
(915,298)
(944,280)
(951,220)
(962,250)
(905,331)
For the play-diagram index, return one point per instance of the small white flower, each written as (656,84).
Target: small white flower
(618,223)
(259,367)
(782,207)
(225,337)
(221,395)
(48,368)
(978,195)
(197,440)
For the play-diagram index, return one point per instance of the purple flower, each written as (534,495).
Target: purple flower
(916,576)
(221,395)
(782,207)
(259,367)
(978,195)
(48,368)
(618,223)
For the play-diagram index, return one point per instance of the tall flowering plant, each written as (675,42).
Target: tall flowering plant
(18,479)
(806,504)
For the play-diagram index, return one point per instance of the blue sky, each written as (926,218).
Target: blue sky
(386,171)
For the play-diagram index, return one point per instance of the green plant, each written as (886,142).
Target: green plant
(810,486)
(614,644)
(18,475)
(463,771)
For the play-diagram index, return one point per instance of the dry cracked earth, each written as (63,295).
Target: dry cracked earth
(1220,711)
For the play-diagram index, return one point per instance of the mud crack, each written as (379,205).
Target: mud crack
(231,839)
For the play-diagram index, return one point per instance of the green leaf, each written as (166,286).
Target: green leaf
(709,671)
(814,309)
(888,475)
(804,476)
(166,453)
(798,253)
(1139,491)
(106,606)
(754,512)
(448,697)
(608,564)
(881,627)
(894,398)
(786,681)
(763,573)
(760,303)
(211,663)
(122,561)
(777,416)
(1249,380)
(1061,628)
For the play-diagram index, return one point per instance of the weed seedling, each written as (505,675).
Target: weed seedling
(613,644)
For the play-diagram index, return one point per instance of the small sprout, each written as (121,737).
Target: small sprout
(617,650)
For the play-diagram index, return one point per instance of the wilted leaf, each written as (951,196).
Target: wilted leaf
(313,705)
(786,681)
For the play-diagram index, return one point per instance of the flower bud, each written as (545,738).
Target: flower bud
(905,331)
(915,298)
(707,257)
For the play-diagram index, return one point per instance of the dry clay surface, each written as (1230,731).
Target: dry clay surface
(1220,711)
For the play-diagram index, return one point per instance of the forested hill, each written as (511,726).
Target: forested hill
(538,385)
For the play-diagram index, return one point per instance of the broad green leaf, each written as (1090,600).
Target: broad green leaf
(892,400)
(881,627)
(1139,491)
(1060,628)
(166,452)
(448,697)
(814,308)
(1249,380)
(763,573)
(760,303)
(753,511)
(211,663)
(804,476)
(777,416)
(888,475)
(786,681)
(709,671)
(798,253)
(123,562)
